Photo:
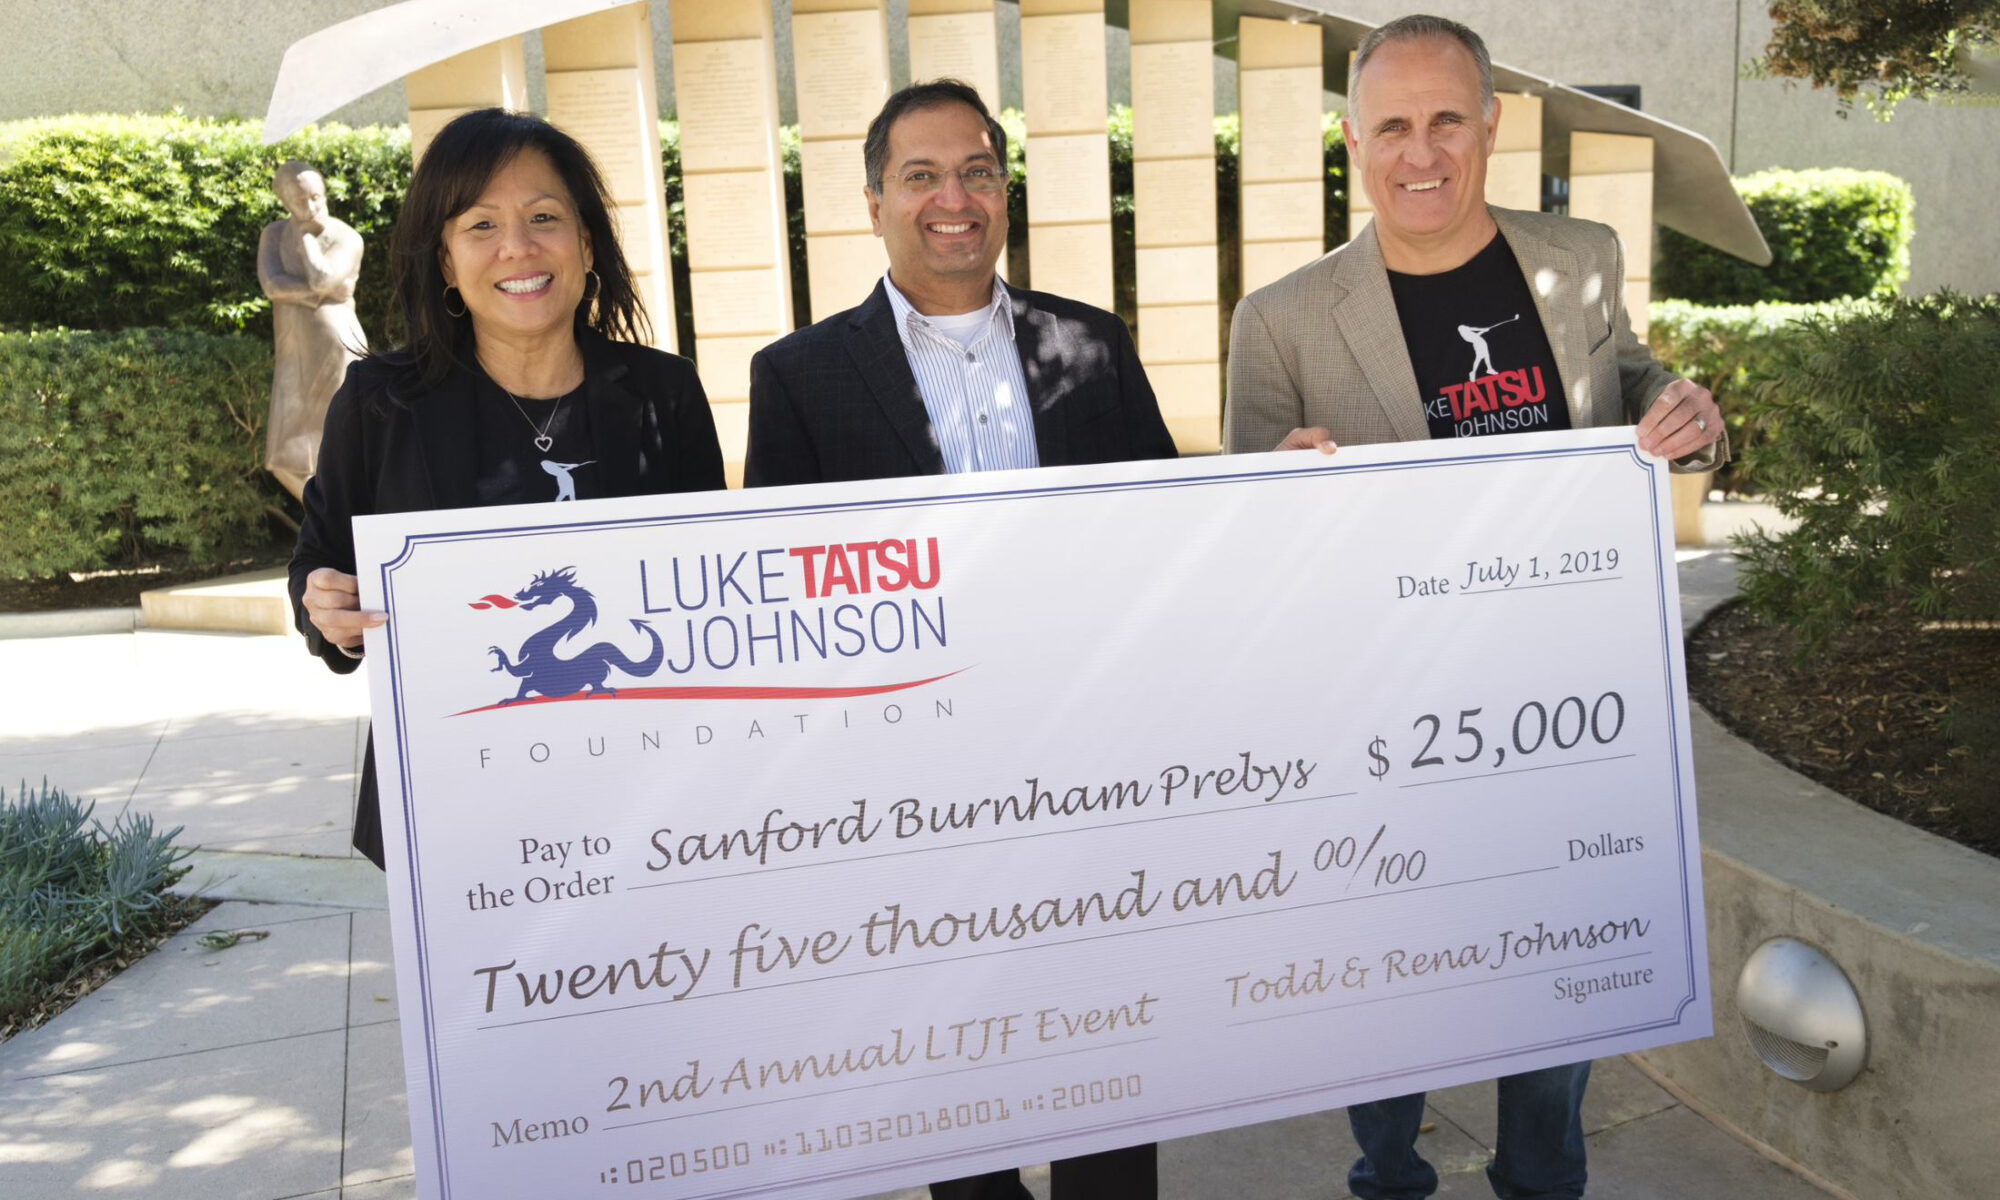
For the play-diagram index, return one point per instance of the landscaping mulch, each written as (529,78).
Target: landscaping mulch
(116,589)
(1904,721)
(182,912)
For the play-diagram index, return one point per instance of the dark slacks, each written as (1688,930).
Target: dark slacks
(1132,1173)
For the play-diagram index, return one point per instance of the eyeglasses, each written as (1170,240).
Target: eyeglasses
(979,179)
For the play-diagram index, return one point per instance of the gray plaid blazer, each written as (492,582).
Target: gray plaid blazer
(1323,347)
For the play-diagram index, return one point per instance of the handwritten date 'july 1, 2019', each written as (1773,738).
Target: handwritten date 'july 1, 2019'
(1500,573)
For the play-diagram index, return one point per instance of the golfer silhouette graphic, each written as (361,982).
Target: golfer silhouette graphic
(1480,352)
(565,486)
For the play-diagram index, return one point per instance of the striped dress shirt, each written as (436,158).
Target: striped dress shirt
(971,382)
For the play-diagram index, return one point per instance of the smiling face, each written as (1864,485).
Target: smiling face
(1418,134)
(942,245)
(518,255)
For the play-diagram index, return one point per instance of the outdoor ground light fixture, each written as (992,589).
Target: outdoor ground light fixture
(1803,1016)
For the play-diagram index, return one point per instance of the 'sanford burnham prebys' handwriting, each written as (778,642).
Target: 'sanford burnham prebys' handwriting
(784,836)
(1038,801)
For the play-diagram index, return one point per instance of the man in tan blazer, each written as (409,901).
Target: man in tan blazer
(1448,318)
(1321,355)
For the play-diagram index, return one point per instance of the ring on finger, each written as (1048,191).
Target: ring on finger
(1701,424)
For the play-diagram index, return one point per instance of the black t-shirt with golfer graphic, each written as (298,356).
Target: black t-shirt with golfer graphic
(1481,356)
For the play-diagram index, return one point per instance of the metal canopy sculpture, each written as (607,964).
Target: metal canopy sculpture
(1691,189)
(345,62)
(1692,192)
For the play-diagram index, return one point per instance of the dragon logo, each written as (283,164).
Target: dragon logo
(545,672)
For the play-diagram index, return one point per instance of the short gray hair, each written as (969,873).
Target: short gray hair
(1415,27)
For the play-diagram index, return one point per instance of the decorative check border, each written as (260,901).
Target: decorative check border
(1666,590)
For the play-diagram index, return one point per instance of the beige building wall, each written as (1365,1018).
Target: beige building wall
(956,39)
(739,264)
(840,61)
(1064,99)
(1173,201)
(490,76)
(1684,55)
(1611,180)
(1283,164)
(601,88)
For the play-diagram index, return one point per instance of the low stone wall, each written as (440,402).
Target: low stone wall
(1912,919)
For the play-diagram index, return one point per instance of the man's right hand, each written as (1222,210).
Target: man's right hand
(1315,438)
(333,604)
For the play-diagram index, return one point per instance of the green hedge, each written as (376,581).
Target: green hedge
(1730,350)
(131,446)
(1832,233)
(120,447)
(115,222)
(1882,437)
(109,222)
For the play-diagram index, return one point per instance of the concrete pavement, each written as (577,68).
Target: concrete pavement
(272,1068)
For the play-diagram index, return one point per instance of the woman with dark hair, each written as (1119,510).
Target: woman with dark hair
(522,380)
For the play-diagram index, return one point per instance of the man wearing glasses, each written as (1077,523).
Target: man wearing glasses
(945,369)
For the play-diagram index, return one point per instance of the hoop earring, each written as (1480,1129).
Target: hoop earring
(597,285)
(447,301)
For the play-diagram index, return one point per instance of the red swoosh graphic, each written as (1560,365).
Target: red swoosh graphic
(489,600)
(719,692)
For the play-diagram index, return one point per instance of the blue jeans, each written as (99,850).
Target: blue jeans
(1540,1152)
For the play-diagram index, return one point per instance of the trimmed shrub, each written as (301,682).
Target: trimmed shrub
(117,222)
(1882,437)
(110,222)
(1729,349)
(124,447)
(1832,233)
(73,892)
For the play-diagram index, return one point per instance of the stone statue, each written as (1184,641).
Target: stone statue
(307,264)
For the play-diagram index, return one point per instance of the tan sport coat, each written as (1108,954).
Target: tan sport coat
(1323,346)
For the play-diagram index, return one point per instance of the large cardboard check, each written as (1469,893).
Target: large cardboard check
(818,841)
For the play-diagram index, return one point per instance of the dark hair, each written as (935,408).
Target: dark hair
(916,98)
(1412,27)
(452,175)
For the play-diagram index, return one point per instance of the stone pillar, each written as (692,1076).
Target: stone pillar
(1173,184)
(956,39)
(1069,156)
(1514,173)
(603,92)
(1611,180)
(1283,164)
(726,93)
(840,62)
(492,76)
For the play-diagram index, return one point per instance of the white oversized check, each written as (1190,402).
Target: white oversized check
(816,841)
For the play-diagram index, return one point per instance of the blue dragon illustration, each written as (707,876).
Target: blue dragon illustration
(544,672)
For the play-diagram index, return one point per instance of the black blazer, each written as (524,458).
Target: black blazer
(837,400)
(385,451)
